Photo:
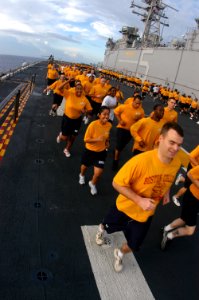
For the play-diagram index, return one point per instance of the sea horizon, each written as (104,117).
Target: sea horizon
(10,62)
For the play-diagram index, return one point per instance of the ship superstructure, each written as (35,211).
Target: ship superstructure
(148,57)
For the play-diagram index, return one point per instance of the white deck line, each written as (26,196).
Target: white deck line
(130,284)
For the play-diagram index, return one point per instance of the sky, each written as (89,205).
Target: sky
(77,30)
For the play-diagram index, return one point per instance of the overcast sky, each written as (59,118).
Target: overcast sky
(77,30)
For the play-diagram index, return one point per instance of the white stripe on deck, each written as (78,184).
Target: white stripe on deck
(130,284)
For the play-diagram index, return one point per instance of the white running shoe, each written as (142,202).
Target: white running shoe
(99,238)
(93,188)
(86,120)
(67,153)
(81,179)
(118,266)
(176,201)
(58,139)
(178,179)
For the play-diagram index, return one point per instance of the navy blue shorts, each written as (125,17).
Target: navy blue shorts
(57,99)
(190,209)
(123,137)
(134,231)
(93,158)
(95,107)
(70,126)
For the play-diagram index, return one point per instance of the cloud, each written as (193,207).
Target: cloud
(71,28)
(59,25)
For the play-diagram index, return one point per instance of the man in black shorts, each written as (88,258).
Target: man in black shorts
(142,183)
(186,224)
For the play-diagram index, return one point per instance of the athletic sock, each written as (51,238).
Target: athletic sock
(168,228)
(120,254)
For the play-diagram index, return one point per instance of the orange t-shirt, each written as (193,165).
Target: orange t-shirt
(55,87)
(75,106)
(98,92)
(128,114)
(170,115)
(95,130)
(193,188)
(195,154)
(52,74)
(148,177)
(146,130)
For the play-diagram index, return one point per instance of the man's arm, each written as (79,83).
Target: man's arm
(195,181)
(144,203)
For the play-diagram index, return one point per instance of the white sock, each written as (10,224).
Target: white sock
(120,254)
(168,228)
(170,235)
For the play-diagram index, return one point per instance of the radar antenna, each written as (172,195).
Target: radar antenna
(152,14)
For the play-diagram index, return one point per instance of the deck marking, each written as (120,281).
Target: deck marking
(130,284)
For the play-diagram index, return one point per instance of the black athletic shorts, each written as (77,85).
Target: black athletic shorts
(70,126)
(188,182)
(134,231)
(93,158)
(95,106)
(190,208)
(137,151)
(50,81)
(57,99)
(123,137)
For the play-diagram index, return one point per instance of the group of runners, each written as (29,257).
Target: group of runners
(187,104)
(147,177)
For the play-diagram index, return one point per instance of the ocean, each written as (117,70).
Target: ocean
(11,62)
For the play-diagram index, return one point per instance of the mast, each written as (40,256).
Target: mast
(152,14)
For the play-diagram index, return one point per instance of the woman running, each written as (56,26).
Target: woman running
(76,105)
(96,144)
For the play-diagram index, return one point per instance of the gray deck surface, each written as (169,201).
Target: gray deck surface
(42,209)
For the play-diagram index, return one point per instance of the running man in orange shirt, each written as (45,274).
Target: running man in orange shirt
(142,183)
(126,114)
(147,130)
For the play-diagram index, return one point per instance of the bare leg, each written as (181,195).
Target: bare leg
(125,249)
(97,174)
(63,137)
(177,223)
(116,154)
(70,142)
(180,192)
(182,231)
(83,170)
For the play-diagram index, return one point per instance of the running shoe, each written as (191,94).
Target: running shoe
(67,153)
(99,238)
(118,266)
(81,179)
(176,201)
(178,179)
(50,112)
(165,240)
(93,188)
